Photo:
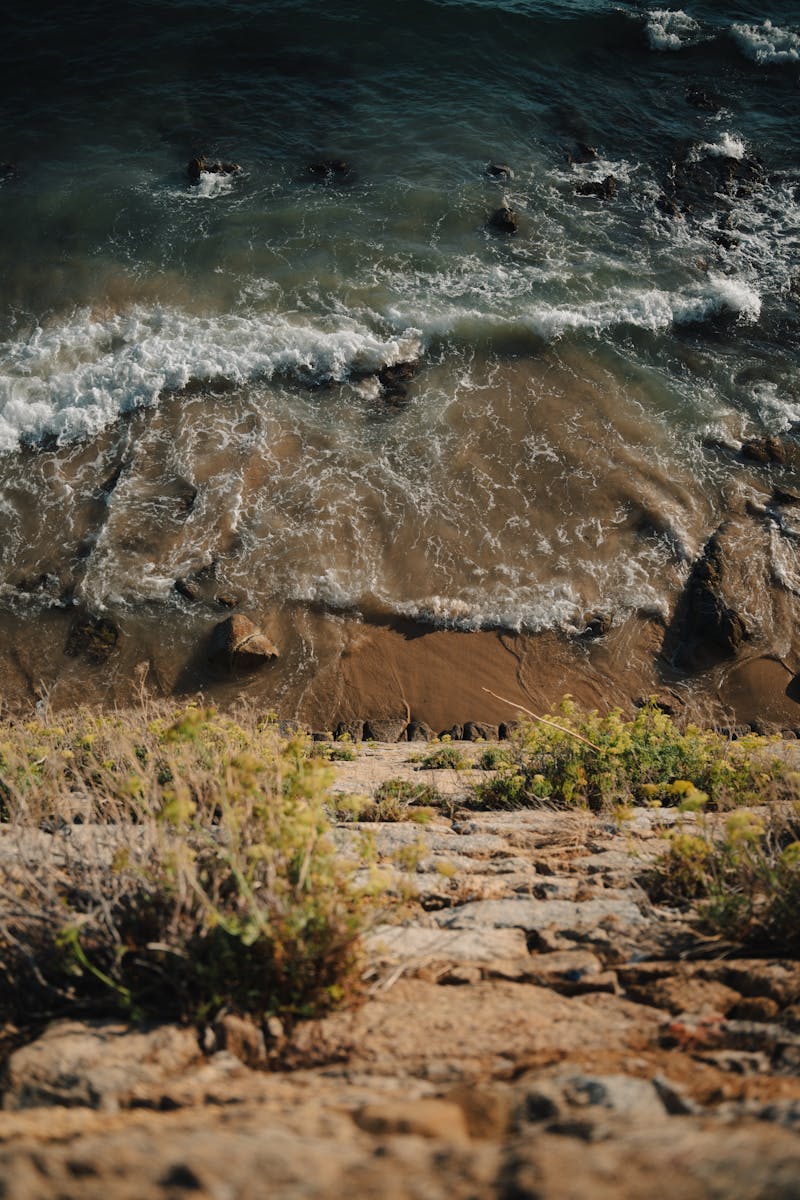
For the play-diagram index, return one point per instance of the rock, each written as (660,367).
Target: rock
(582,916)
(582,153)
(755,1008)
(563,969)
(354,730)
(455,733)
(242,1038)
(709,619)
(476,731)
(765,450)
(674,1098)
(93,638)
(499,171)
(394,379)
(507,729)
(238,643)
(97,1064)
(188,588)
(504,219)
(604,189)
(785,497)
(439,1119)
(679,994)
(400,943)
(203,166)
(597,625)
(385,729)
(488,1108)
(227,600)
(418,731)
(669,206)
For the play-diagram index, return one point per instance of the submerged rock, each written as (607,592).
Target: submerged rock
(597,625)
(765,450)
(394,380)
(239,644)
(93,638)
(504,220)
(499,171)
(604,189)
(203,166)
(582,153)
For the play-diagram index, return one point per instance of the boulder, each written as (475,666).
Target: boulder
(596,625)
(93,638)
(455,733)
(709,618)
(499,171)
(604,189)
(418,731)
(204,166)
(188,588)
(504,219)
(765,450)
(385,729)
(238,643)
(507,729)
(353,729)
(476,731)
(394,379)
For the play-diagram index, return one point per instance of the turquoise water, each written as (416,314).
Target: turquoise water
(222,340)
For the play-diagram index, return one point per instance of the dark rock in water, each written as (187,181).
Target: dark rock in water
(507,729)
(784,496)
(203,166)
(394,380)
(385,729)
(49,586)
(765,450)
(476,731)
(330,171)
(238,643)
(582,153)
(418,731)
(604,189)
(499,171)
(597,625)
(700,97)
(227,600)
(188,588)
(669,206)
(504,220)
(725,241)
(349,729)
(709,619)
(93,638)
(455,733)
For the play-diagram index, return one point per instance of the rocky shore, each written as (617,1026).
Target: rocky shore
(533,1027)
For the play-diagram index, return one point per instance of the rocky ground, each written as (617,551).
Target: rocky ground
(533,1029)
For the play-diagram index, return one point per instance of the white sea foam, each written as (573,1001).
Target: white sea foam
(767,43)
(74,378)
(727,145)
(670,29)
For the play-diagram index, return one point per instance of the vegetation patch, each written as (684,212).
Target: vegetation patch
(394,800)
(201,875)
(601,762)
(740,872)
(444,758)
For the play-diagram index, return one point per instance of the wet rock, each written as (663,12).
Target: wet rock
(709,619)
(785,497)
(418,731)
(203,166)
(582,153)
(394,379)
(188,588)
(669,206)
(238,643)
(504,220)
(725,241)
(499,171)
(476,731)
(353,729)
(330,171)
(604,189)
(93,638)
(597,625)
(227,600)
(766,450)
(385,729)
(50,587)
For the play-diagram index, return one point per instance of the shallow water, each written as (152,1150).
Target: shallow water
(187,374)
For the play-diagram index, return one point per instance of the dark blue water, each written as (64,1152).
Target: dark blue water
(225,337)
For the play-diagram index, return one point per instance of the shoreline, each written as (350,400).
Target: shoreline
(338,669)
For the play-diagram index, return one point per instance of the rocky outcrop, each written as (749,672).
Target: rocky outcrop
(603,189)
(199,166)
(239,644)
(504,219)
(385,729)
(93,638)
(711,621)
(499,171)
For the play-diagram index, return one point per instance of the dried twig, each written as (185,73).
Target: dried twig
(544,720)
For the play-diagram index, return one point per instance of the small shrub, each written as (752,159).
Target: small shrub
(394,800)
(214,883)
(493,758)
(444,758)
(602,761)
(742,875)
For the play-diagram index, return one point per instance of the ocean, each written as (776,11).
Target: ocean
(196,377)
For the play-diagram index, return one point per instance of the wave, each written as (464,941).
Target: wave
(727,145)
(669,29)
(767,43)
(73,379)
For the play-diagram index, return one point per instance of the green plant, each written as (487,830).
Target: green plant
(602,761)
(493,758)
(214,883)
(394,800)
(444,758)
(741,873)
